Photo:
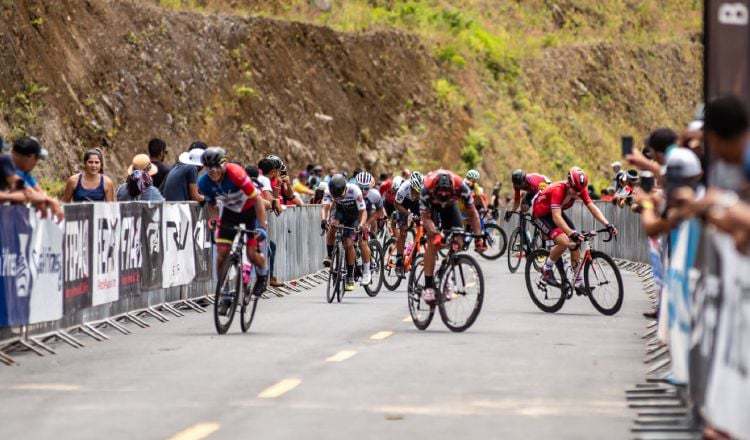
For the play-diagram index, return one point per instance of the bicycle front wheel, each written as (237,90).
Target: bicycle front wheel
(391,278)
(603,283)
(515,251)
(333,276)
(376,269)
(496,240)
(547,296)
(461,293)
(228,290)
(421,312)
(247,312)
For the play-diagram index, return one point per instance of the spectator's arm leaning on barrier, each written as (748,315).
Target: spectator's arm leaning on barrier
(638,160)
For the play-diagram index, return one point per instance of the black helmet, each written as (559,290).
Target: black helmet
(518,176)
(444,187)
(214,157)
(337,185)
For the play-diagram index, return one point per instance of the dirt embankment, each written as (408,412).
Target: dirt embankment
(82,73)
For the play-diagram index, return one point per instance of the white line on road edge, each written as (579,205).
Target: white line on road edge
(341,356)
(197,432)
(280,388)
(45,387)
(381,335)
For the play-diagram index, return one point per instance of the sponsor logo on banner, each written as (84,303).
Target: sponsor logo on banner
(16,279)
(179,268)
(46,259)
(131,258)
(152,247)
(106,252)
(77,244)
(202,243)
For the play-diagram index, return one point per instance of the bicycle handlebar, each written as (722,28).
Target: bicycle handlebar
(593,234)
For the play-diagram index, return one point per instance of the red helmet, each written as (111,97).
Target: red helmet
(577,179)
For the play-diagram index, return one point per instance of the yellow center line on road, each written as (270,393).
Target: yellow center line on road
(197,432)
(341,356)
(279,388)
(381,335)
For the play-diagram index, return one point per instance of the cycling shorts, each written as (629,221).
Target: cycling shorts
(231,219)
(547,225)
(447,217)
(349,219)
(389,207)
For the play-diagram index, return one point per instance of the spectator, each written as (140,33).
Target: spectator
(618,173)
(90,185)
(266,193)
(608,194)
(25,155)
(11,186)
(660,143)
(592,192)
(181,184)
(157,151)
(139,185)
(300,187)
(269,170)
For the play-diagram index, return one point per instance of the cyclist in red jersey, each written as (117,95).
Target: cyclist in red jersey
(548,214)
(528,184)
(438,205)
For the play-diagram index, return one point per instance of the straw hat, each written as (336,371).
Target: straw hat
(142,162)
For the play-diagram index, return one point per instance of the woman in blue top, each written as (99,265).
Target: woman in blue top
(90,185)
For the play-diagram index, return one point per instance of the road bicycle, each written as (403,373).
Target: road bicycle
(602,282)
(460,283)
(392,276)
(234,283)
(522,244)
(494,237)
(337,271)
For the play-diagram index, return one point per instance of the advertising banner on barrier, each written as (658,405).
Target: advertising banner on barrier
(46,259)
(130,249)
(179,268)
(727,403)
(106,253)
(15,272)
(202,243)
(77,254)
(152,246)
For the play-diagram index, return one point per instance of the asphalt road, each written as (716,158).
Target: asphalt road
(357,370)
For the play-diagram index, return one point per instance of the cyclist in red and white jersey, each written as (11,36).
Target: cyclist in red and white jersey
(438,205)
(525,187)
(547,210)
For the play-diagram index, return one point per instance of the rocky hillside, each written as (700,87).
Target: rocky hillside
(541,83)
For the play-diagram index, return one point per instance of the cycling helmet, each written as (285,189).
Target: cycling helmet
(417,181)
(472,175)
(397,182)
(518,177)
(337,185)
(577,179)
(444,187)
(214,157)
(364,180)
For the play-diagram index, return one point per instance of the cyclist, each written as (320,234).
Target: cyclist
(438,205)
(407,205)
(232,196)
(530,184)
(343,204)
(547,211)
(472,181)
(375,211)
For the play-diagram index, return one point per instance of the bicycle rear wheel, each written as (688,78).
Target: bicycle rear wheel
(547,297)
(247,311)
(497,242)
(391,279)
(228,287)
(341,270)
(515,250)
(333,276)
(421,312)
(603,283)
(376,269)
(461,293)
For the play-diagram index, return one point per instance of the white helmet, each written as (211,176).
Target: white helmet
(417,181)
(364,180)
(397,182)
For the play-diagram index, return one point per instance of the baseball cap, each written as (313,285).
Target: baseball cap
(29,146)
(192,157)
(683,163)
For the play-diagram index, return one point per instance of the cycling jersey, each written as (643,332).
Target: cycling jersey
(532,185)
(460,191)
(556,196)
(351,201)
(373,201)
(387,191)
(480,199)
(404,194)
(236,192)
